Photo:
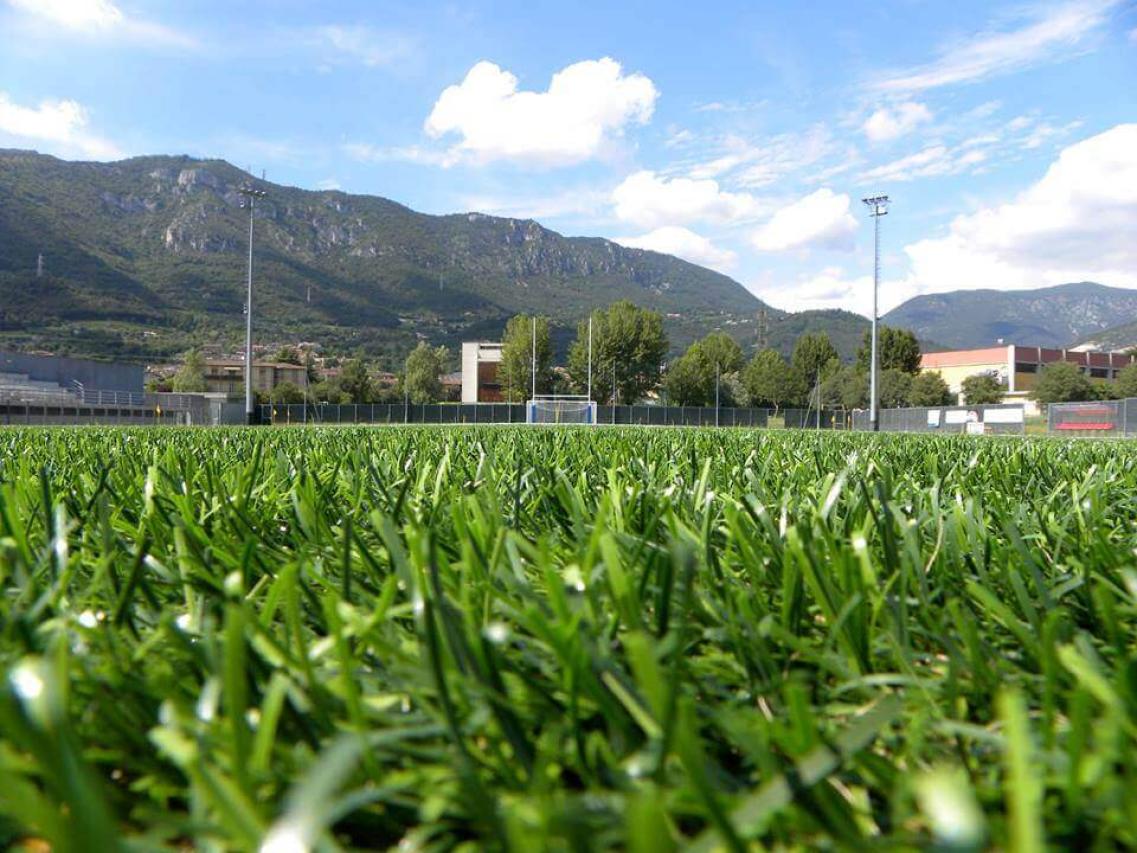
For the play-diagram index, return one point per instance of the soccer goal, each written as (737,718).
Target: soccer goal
(560,409)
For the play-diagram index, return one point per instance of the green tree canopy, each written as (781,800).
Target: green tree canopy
(327,392)
(813,354)
(515,372)
(1062,382)
(288,355)
(190,378)
(690,380)
(846,388)
(627,340)
(769,380)
(929,389)
(1126,384)
(355,382)
(286,392)
(982,389)
(897,349)
(423,375)
(895,388)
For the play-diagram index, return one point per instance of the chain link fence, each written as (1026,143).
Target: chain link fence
(503,413)
(1098,417)
(1002,419)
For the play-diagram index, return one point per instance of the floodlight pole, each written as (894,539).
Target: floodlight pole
(878,207)
(252,194)
(716,392)
(590,355)
(534,395)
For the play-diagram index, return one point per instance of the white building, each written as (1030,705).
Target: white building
(479,372)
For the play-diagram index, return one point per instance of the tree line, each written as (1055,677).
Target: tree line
(628,362)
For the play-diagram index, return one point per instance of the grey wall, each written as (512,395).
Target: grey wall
(94,375)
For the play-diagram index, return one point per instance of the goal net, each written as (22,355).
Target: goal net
(560,410)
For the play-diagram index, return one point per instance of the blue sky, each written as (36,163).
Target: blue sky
(738,135)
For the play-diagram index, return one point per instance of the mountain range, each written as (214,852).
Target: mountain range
(1049,316)
(145,257)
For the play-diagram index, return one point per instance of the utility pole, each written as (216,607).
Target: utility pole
(878,207)
(39,266)
(252,194)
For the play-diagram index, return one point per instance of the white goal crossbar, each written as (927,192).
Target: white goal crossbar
(560,409)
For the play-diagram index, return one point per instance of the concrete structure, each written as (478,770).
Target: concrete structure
(1017,367)
(480,360)
(71,373)
(227,376)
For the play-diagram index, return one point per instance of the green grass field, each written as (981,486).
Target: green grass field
(565,639)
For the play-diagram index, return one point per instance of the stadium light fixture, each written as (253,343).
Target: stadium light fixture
(878,207)
(251,195)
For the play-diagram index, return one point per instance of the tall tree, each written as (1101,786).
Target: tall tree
(895,388)
(769,380)
(515,372)
(813,354)
(423,375)
(1126,385)
(897,349)
(355,382)
(190,377)
(691,379)
(929,389)
(982,388)
(627,341)
(845,388)
(1062,382)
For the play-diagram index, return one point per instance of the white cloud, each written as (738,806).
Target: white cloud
(683,243)
(576,202)
(830,288)
(328,184)
(365,45)
(1079,222)
(364,152)
(102,18)
(932,161)
(587,105)
(891,122)
(650,201)
(75,14)
(764,162)
(820,220)
(60,124)
(1052,33)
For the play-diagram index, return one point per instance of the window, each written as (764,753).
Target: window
(1099,372)
(1026,367)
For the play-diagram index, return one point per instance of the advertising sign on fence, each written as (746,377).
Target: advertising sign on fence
(1004,416)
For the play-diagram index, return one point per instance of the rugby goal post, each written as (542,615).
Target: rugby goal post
(560,409)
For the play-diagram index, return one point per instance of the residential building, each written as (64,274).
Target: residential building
(480,360)
(227,376)
(1017,366)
